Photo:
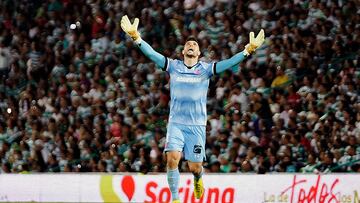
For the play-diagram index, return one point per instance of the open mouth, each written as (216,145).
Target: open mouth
(191,49)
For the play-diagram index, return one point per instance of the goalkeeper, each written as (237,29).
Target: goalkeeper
(189,82)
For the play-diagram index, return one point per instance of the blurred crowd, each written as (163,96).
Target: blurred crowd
(76,95)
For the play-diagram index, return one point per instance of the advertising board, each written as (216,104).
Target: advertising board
(285,188)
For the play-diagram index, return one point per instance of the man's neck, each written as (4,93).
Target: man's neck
(190,62)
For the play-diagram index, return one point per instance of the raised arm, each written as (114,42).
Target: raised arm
(131,30)
(237,58)
(231,62)
(153,55)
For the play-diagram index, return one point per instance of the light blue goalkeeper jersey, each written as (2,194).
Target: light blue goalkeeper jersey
(188,91)
(189,86)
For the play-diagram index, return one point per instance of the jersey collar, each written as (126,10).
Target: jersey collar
(190,67)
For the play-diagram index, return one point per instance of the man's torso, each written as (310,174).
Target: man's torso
(188,91)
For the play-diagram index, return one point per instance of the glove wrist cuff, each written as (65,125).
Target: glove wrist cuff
(246,53)
(138,40)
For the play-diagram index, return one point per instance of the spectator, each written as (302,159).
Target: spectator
(85,99)
(281,78)
(5,58)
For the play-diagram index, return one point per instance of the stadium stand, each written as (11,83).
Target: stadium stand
(77,96)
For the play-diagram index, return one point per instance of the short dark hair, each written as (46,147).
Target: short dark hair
(192,38)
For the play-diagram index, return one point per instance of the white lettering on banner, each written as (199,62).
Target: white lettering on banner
(230,188)
(188,80)
(214,194)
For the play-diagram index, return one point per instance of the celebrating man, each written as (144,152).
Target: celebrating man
(189,82)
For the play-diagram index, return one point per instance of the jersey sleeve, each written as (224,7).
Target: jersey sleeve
(153,55)
(166,66)
(229,63)
(170,64)
(210,68)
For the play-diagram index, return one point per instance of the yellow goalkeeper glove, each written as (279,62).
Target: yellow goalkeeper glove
(255,42)
(131,29)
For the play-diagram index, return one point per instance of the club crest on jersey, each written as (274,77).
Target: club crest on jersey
(197,72)
(197,149)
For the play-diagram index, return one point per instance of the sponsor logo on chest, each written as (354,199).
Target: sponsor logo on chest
(188,79)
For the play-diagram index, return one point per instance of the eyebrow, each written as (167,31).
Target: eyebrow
(191,42)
